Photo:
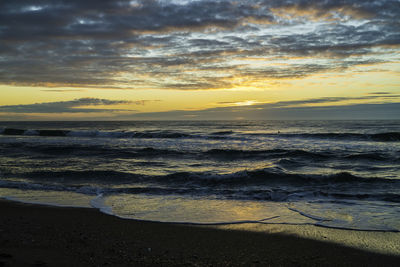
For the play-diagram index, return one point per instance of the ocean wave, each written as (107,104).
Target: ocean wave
(268,176)
(95,133)
(272,153)
(81,150)
(98,176)
(242,193)
(112,151)
(377,137)
(87,190)
(367,156)
(222,133)
(260,195)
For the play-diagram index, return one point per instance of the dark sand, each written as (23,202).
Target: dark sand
(33,235)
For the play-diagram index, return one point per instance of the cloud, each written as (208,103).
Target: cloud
(326,100)
(380,93)
(180,44)
(338,112)
(62,90)
(143,102)
(332,108)
(73,106)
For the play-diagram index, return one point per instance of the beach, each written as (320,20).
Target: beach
(36,235)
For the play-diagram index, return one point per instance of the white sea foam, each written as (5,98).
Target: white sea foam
(98,203)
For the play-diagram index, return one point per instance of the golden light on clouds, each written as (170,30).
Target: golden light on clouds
(166,55)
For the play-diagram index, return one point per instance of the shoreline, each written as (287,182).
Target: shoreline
(39,235)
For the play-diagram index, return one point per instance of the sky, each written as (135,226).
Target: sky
(199,59)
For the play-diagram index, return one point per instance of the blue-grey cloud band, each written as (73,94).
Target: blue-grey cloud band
(72,106)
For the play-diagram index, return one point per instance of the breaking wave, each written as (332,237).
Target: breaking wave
(270,185)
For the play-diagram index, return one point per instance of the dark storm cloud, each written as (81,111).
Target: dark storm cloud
(148,43)
(72,106)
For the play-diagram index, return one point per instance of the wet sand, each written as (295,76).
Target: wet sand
(34,235)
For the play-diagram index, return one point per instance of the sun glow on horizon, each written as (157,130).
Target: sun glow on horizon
(185,56)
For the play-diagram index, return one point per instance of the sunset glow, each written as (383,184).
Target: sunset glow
(144,59)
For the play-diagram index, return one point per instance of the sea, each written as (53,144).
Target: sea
(335,174)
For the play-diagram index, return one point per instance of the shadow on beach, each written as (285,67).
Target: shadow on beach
(34,235)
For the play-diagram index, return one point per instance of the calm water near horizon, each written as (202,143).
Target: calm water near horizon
(341,174)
